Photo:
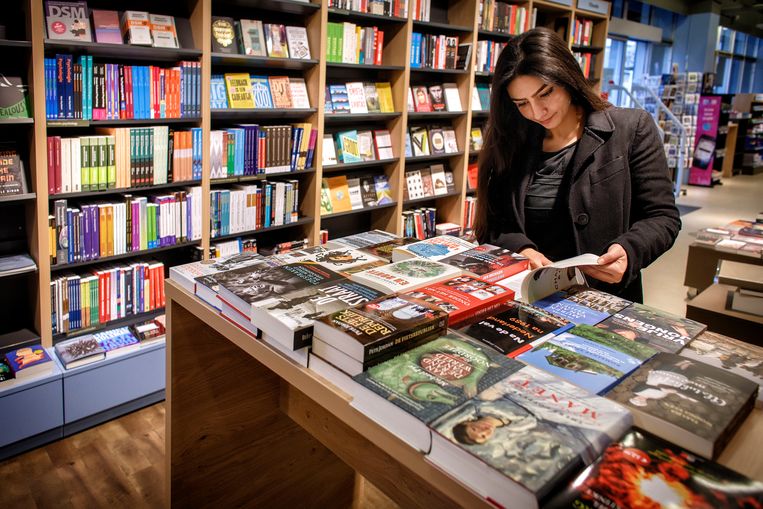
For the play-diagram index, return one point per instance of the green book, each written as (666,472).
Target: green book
(103,164)
(111,164)
(93,161)
(84,146)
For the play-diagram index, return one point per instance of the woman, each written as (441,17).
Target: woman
(562,173)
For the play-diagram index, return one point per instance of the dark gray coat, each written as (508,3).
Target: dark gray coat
(620,192)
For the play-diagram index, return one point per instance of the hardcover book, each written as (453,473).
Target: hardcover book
(435,248)
(452,97)
(464,298)
(29,361)
(385,325)
(368,191)
(663,331)
(589,357)
(223,35)
(516,328)
(491,263)
(383,191)
(689,403)
(743,359)
(252,38)
(640,470)
(117,341)
(298,44)
(79,351)
(517,440)
(384,250)
(406,275)
(14,97)
(206,286)
(582,305)
(367,239)
(67,21)
(437,140)
(275,41)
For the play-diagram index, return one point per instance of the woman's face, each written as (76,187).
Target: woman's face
(545,103)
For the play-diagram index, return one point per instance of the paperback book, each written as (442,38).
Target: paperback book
(405,275)
(490,263)
(582,305)
(435,248)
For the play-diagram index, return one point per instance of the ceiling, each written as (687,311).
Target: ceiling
(742,15)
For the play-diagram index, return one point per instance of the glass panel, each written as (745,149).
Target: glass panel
(752,46)
(735,78)
(617,9)
(613,67)
(740,43)
(726,39)
(721,79)
(660,60)
(747,77)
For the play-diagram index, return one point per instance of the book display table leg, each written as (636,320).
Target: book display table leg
(228,443)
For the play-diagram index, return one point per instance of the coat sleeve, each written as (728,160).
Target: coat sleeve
(655,220)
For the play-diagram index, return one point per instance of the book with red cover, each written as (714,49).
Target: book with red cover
(491,263)
(464,297)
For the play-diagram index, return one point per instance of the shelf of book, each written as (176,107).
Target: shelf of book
(299,222)
(124,190)
(431,26)
(27,270)
(284,6)
(432,157)
(112,324)
(434,115)
(363,67)
(123,51)
(426,199)
(261,176)
(54,124)
(357,166)
(244,114)
(224,59)
(427,70)
(362,17)
(18,197)
(132,254)
(349,118)
(364,210)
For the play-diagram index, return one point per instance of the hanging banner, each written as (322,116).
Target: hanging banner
(701,172)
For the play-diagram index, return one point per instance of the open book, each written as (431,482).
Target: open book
(541,282)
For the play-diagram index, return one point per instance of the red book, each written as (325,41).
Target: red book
(57,159)
(379,47)
(464,298)
(51,165)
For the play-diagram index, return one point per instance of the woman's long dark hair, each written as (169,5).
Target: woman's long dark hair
(509,136)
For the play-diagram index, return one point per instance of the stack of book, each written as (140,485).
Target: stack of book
(420,223)
(254,206)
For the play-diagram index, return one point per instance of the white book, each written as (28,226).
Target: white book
(405,275)
(163,31)
(414,184)
(452,97)
(349,47)
(438,179)
(383,142)
(66,165)
(161,135)
(252,37)
(76,165)
(299,97)
(356,94)
(476,104)
(137,25)
(329,151)
(435,248)
(296,37)
(451,145)
(356,201)
(366,146)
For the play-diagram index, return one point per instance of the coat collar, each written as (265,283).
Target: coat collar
(598,129)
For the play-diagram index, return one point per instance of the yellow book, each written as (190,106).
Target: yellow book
(239,88)
(339,192)
(384,90)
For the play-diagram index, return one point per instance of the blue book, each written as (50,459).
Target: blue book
(589,357)
(261,92)
(347,143)
(87,76)
(219,99)
(339,99)
(583,305)
(268,197)
(28,361)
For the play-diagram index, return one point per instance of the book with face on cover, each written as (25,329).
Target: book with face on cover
(436,94)
(421,101)
(491,263)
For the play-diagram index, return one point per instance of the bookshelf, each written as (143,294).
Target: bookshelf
(460,18)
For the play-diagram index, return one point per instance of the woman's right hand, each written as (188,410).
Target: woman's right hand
(537,259)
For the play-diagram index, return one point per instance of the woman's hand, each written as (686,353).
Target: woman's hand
(536,258)
(611,267)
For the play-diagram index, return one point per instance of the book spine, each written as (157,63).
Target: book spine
(403,339)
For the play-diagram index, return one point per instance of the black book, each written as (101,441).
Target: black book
(223,35)
(12,176)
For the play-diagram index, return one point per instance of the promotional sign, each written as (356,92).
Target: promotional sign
(701,172)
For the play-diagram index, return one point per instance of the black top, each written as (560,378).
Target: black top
(546,218)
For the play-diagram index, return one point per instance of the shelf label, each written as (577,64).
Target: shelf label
(568,3)
(596,6)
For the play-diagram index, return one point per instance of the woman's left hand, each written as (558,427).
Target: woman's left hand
(611,267)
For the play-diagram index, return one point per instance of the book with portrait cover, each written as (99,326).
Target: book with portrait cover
(661,330)
(515,442)
(384,325)
(589,357)
(733,355)
(243,288)
(412,389)
(692,404)
(289,318)
(516,327)
(491,263)
(406,275)
(464,297)
(640,470)
(582,305)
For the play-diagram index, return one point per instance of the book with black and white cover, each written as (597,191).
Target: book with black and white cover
(296,38)
(340,258)
(366,239)
(491,263)
(451,145)
(689,403)
(353,188)
(186,274)
(434,248)
(16,264)
(384,250)
(366,145)
(243,288)
(79,351)
(289,318)
(515,442)
(207,288)
(406,275)
(452,97)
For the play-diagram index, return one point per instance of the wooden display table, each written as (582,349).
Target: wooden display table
(709,307)
(248,427)
(702,263)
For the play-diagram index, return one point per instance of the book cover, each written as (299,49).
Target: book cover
(589,357)
(339,99)
(366,145)
(452,97)
(420,141)
(239,86)
(384,250)
(435,248)
(252,38)
(439,184)
(223,35)
(368,191)
(437,140)
(206,285)
(721,351)
(356,96)
(367,239)
(149,331)
(464,297)
(329,150)
(433,378)
(348,146)
(421,102)
(356,199)
(261,92)
(640,470)
(491,263)
(582,305)
(406,275)
(218,92)
(687,402)
(339,193)
(325,205)
(280,91)
(515,328)
(67,21)
(119,340)
(296,37)
(414,185)
(450,182)
(451,145)
(106,26)
(383,144)
(426,182)
(475,140)
(340,258)
(275,41)
(386,104)
(14,97)
(383,191)
(661,330)
(437,96)
(533,429)
(79,351)
(299,97)
(484,94)
(28,361)
(186,274)
(12,175)
(372,98)
(380,327)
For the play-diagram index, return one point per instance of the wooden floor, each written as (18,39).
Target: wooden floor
(117,464)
